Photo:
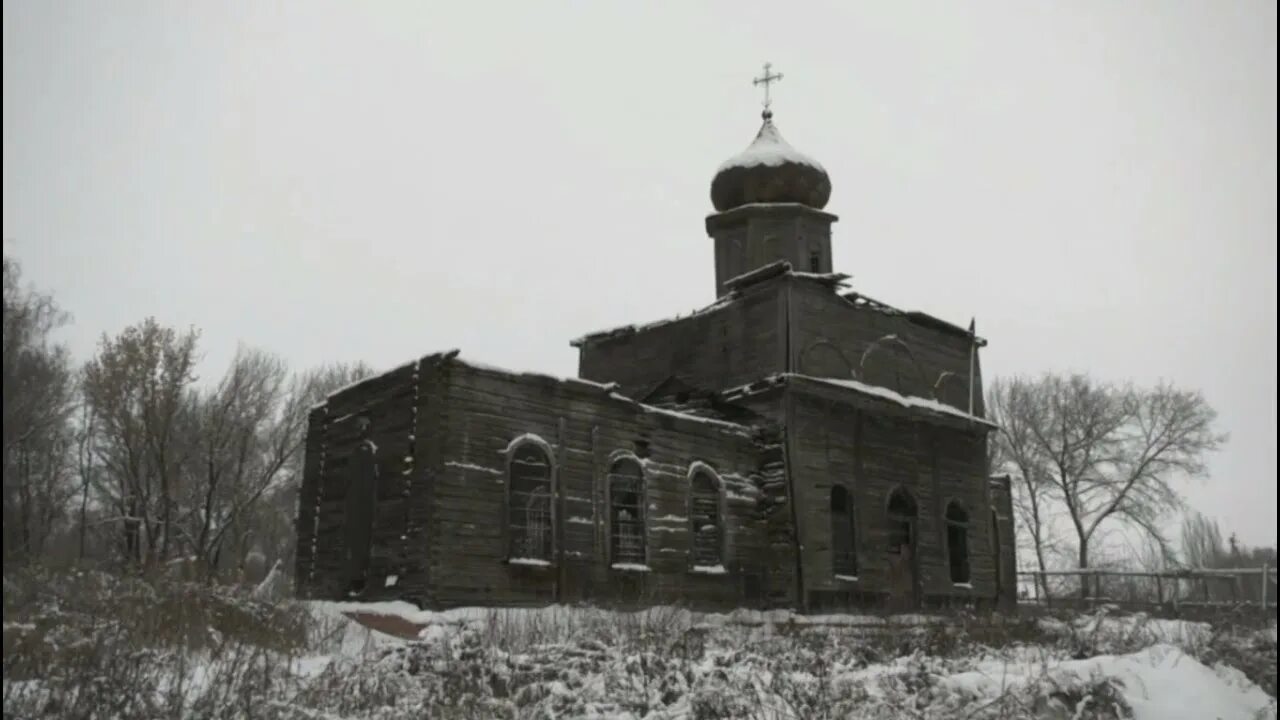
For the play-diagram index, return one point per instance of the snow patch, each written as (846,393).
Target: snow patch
(529,562)
(768,149)
(469,466)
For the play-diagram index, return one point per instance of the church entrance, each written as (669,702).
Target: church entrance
(904,585)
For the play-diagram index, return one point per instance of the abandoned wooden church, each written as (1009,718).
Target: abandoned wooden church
(792,444)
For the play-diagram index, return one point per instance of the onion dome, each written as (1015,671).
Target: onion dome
(770,171)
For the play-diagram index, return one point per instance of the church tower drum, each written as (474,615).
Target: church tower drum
(769,200)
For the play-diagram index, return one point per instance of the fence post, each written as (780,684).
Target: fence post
(1266,578)
(1159,591)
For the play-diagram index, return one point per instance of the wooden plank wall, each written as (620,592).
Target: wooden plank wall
(1001,495)
(819,316)
(397,559)
(731,346)
(308,495)
(486,410)
(871,454)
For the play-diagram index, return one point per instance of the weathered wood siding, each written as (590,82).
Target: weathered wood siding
(1001,495)
(824,325)
(732,345)
(484,411)
(403,451)
(871,453)
(308,498)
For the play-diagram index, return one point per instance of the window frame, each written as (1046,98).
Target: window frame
(697,468)
(617,458)
(553,485)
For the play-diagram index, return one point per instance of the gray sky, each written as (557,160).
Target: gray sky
(1094,180)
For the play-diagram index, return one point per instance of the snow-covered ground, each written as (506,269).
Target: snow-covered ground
(782,665)
(243,657)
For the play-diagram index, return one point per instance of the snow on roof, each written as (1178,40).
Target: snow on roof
(765,272)
(608,389)
(360,381)
(721,302)
(915,316)
(769,149)
(907,401)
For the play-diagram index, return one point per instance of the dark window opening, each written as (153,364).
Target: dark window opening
(626,513)
(958,543)
(902,515)
(815,261)
(844,551)
(529,504)
(704,517)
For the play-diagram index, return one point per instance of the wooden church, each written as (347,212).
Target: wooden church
(793,444)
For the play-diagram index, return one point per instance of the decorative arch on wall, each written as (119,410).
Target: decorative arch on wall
(952,389)
(706,517)
(889,362)
(625,493)
(531,490)
(824,359)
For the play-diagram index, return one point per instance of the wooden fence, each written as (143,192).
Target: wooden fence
(1169,589)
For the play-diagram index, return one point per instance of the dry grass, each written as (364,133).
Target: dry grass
(90,645)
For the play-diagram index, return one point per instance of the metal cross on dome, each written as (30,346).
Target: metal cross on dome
(766,79)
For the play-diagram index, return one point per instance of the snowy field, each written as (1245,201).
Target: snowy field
(187,651)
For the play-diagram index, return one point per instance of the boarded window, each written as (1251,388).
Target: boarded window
(529,506)
(902,517)
(844,553)
(626,513)
(704,517)
(958,542)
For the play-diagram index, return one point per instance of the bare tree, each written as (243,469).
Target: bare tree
(1014,450)
(1108,454)
(39,397)
(274,518)
(138,386)
(1202,545)
(248,430)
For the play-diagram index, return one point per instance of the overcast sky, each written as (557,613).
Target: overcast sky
(1094,181)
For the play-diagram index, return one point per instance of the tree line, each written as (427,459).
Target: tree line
(128,459)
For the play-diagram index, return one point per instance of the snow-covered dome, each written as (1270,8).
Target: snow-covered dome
(770,171)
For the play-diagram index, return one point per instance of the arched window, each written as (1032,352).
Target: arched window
(626,513)
(704,519)
(902,520)
(529,485)
(844,551)
(958,542)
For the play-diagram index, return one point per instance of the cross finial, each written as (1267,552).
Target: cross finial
(766,79)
